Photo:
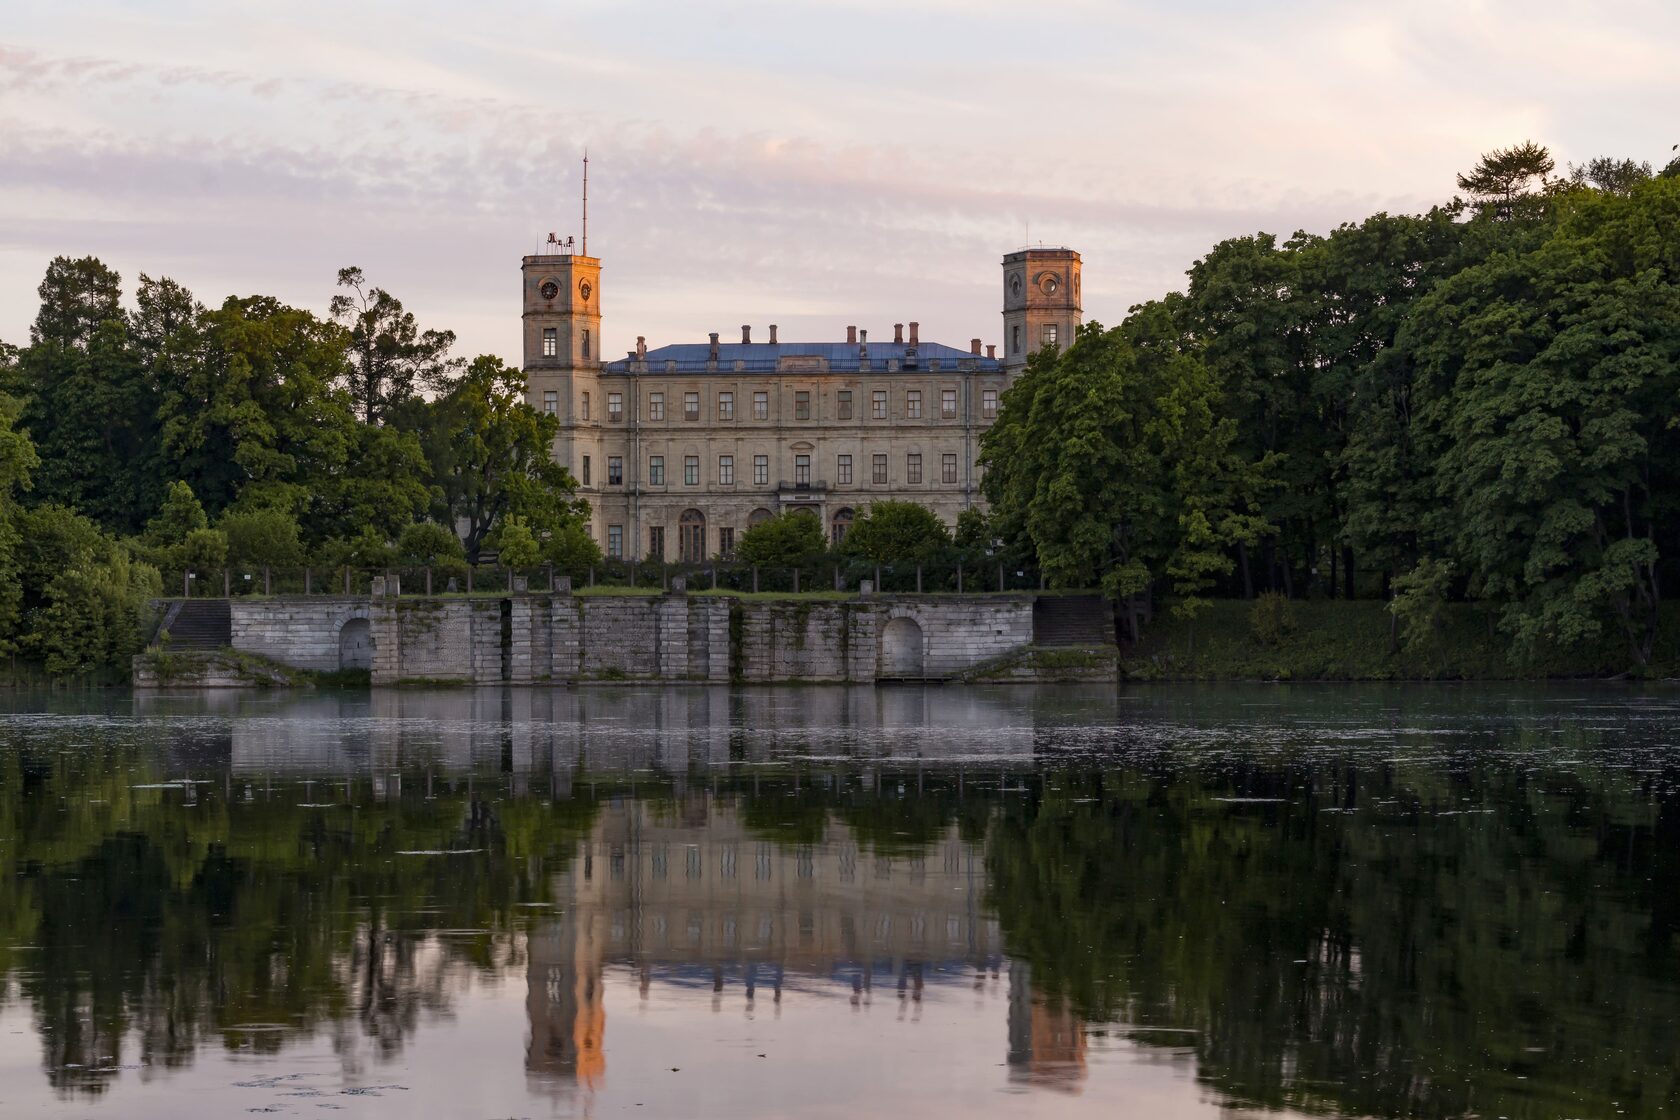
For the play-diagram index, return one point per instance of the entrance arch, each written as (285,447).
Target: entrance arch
(355,645)
(691,537)
(901,649)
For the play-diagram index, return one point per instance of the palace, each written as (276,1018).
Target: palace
(679,448)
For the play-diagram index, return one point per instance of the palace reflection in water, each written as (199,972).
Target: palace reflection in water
(1383,902)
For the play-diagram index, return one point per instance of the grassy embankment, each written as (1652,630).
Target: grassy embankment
(1342,640)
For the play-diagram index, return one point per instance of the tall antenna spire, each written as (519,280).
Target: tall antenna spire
(586,202)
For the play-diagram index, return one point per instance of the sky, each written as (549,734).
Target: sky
(810,163)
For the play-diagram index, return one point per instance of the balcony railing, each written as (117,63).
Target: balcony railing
(802,487)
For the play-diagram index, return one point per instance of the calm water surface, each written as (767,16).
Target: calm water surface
(1430,902)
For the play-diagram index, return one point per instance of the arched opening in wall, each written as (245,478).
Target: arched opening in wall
(691,537)
(758,517)
(355,645)
(901,649)
(839,526)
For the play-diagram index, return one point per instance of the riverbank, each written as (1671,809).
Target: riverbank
(1339,640)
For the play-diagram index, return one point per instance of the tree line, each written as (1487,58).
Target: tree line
(1478,403)
(179,436)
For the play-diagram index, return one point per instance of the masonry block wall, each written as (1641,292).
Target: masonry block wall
(562,638)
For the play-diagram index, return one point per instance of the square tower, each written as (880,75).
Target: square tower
(1040,303)
(562,341)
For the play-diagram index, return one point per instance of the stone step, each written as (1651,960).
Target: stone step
(1072,620)
(202,624)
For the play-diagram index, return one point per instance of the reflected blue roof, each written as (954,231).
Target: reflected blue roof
(761,357)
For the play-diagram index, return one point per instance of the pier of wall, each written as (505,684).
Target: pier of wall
(533,638)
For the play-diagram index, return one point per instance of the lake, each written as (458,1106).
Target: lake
(1426,901)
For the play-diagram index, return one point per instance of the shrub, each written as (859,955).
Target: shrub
(897,532)
(514,543)
(204,550)
(571,550)
(428,543)
(782,541)
(261,536)
(1272,618)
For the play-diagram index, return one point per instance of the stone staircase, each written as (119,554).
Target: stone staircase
(198,624)
(1072,620)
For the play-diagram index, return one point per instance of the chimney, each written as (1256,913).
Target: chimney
(863,349)
(772,334)
(714,354)
(991,350)
(641,346)
(851,336)
(746,335)
(974,347)
(915,334)
(898,333)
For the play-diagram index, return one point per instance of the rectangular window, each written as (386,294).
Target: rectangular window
(761,470)
(551,402)
(843,468)
(726,541)
(656,406)
(1015,339)
(878,404)
(586,344)
(656,470)
(802,470)
(988,403)
(802,405)
(615,408)
(880,468)
(726,406)
(948,469)
(913,404)
(656,542)
(586,470)
(844,397)
(615,471)
(761,406)
(948,404)
(615,542)
(583,407)
(691,470)
(726,470)
(551,342)
(913,469)
(691,406)
(1048,336)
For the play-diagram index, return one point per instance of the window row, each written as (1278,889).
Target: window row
(692,535)
(843,471)
(878,404)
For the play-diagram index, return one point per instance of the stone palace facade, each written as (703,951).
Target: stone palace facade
(679,448)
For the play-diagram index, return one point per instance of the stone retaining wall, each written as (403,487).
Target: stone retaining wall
(564,638)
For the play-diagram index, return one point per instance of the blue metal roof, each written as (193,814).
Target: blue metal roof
(761,357)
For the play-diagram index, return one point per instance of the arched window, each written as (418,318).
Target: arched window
(758,517)
(691,537)
(840,526)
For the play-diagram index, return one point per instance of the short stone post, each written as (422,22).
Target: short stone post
(469,579)
(755,579)
(347,579)
(714,577)
(551,579)
(227,584)
(1000,578)
(796,581)
(918,579)
(186,585)
(877,575)
(563,585)
(866,588)
(428,579)
(268,582)
(306,580)
(592,575)
(959,579)
(678,586)
(518,585)
(664,576)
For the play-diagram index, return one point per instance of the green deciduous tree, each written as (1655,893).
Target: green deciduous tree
(391,358)
(897,532)
(785,541)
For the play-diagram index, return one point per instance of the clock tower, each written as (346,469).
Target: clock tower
(1041,303)
(562,339)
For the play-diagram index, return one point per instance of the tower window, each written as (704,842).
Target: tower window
(586,470)
(586,343)
(583,406)
(551,402)
(1015,340)
(551,342)
(1049,334)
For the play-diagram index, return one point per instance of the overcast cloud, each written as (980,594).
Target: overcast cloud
(812,163)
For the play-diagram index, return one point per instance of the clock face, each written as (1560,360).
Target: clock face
(549,289)
(1015,285)
(584,288)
